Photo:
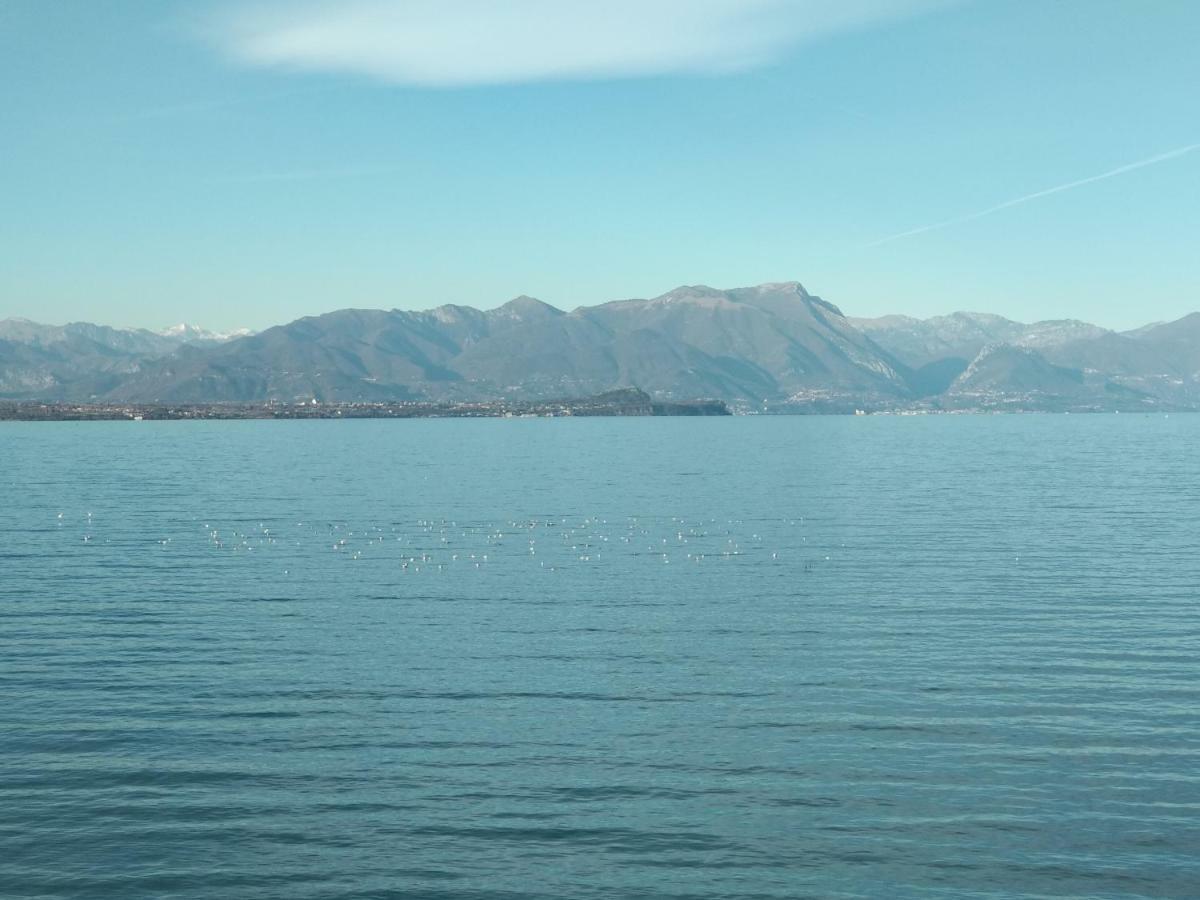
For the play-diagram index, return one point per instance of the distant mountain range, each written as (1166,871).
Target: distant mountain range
(774,347)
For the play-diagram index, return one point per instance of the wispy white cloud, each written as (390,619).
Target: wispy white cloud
(471,42)
(1057,189)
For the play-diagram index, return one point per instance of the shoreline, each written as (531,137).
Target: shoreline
(612,404)
(78,412)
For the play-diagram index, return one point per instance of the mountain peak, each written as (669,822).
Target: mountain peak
(524,307)
(689,292)
(784,298)
(1184,329)
(185,331)
(181,328)
(779,287)
(704,292)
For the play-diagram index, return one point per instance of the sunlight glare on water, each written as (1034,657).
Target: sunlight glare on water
(644,658)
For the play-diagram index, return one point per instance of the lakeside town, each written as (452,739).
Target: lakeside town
(625,402)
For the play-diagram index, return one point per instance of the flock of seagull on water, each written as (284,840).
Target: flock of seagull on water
(438,545)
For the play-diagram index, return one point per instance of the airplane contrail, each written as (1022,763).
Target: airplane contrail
(1058,189)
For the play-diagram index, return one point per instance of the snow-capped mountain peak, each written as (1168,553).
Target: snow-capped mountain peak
(186,332)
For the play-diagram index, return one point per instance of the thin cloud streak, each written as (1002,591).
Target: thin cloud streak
(203,106)
(197,108)
(1058,189)
(307,175)
(451,43)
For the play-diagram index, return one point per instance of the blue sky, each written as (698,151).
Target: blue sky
(243,164)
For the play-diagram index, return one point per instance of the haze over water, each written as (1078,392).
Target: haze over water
(643,658)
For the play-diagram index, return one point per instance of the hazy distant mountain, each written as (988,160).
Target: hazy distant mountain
(80,360)
(961,335)
(773,345)
(1178,342)
(83,336)
(121,340)
(1005,368)
(963,354)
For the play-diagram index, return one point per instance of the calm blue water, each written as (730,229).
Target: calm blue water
(645,658)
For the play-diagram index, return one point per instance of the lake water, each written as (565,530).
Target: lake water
(642,658)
